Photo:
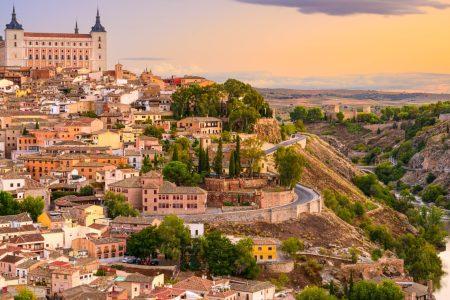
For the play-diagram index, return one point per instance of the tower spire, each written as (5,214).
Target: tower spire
(98,27)
(76,27)
(14,24)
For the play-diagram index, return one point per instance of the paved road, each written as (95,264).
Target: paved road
(305,194)
(284,144)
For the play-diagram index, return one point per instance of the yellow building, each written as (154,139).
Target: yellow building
(23,93)
(54,220)
(106,138)
(87,214)
(264,250)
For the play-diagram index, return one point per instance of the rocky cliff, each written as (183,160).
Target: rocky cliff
(268,130)
(433,157)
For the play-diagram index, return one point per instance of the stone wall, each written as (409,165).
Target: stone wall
(286,266)
(276,198)
(268,215)
(217,199)
(232,184)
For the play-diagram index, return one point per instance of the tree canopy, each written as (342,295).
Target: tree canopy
(118,206)
(240,102)
(178,173)
(290,165)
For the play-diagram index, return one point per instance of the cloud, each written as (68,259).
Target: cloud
(352,7)
(408,82)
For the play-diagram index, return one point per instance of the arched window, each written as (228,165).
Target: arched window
(99,38)
(99,46)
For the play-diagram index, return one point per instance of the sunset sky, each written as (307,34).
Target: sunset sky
(379,44)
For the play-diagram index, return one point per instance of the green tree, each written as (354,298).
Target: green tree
(291,246)
(8,205)
(237,159)
(220,254)
(146,165)
(154,131)
(386,172)
(87,190)
(430,224)
(36,125)
(340,116)
(175,238)
(242,118)
(144,244)
(430,178)
(175,154)
(290,166)
(245,264)
(232,165)
(178,173)
(207,165)
(252,152)
(299,113)
(33,206)
(370,290)
(218,159)
(25,294)
(432,192)
(314,293)
(315,114)
(420,258)
(118,206)
(89,114)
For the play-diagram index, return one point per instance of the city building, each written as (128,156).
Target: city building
(43,50)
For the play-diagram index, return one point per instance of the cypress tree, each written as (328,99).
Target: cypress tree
(155,161)
(201,160)
(207,166)
(175,154)
(237,158)
(218,160)
(232,166)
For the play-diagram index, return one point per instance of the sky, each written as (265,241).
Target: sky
(307,44)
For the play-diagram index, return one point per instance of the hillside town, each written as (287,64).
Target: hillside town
(116,185)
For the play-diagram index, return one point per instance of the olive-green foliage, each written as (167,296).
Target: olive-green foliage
(314,293)
(117,205)
(342,206)
(387,172)
(290,164)
(369,290)
(432,192)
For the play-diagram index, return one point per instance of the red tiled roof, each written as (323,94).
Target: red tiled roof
(56,35)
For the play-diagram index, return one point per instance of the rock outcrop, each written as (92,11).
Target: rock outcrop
(268,130)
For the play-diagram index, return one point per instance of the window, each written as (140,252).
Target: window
(99,46)
(15,36)
(15,44)
(30,56)
(99,38)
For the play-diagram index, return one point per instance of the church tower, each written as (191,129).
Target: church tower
(14,42)
(99,43)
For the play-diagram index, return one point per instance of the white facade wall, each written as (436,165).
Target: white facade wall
(53,240)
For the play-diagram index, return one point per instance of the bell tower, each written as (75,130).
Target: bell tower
(99,44)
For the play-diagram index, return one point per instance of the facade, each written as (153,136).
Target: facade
(200,125)
(264,250)
(105,249)
(154,196)
(47,50)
